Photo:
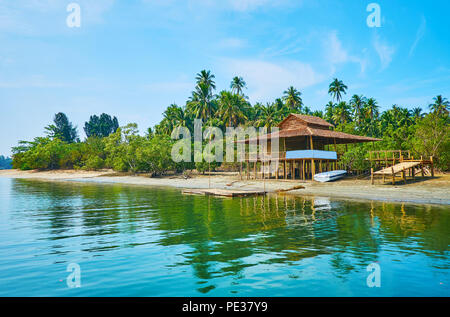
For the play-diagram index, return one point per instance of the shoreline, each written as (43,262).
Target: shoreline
(427,191)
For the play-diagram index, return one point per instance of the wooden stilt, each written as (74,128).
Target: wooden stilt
(292,169)
(248,170)
(371,175)
(432,167)
(303,170)
(393,176)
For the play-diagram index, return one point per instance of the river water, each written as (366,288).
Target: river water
(144,241)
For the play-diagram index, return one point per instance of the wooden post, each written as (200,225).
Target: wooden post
(292,170)
(240,170)
(313,167)
(432,167)
(284,169)
(303,170)
(404,175)
(263,174)
(248,169)
(371,175)
(335,149)
(254,169)
(277,168)
(393,176)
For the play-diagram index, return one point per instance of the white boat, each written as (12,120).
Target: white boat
(329,176)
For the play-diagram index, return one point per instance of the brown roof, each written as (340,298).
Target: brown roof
(339,137)
(308,119)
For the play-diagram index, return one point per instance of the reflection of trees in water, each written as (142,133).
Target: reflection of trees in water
(228,235)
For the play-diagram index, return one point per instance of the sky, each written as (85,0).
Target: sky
(133,58)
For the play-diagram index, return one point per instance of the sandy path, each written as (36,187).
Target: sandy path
(427,191)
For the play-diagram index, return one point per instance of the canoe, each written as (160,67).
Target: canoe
(329,176)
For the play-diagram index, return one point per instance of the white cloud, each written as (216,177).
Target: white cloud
(267,80)
(385,51)
(420,33)
(231,43)
(336,54)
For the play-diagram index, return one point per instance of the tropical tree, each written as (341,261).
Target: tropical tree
(341,113)
(206,78)
(101,126)
(237,85)
(292,99)
(231,108)
(440,105)
(62,129)
(417,113)
(357,103)
(268,116)
(329,111)
(201,103)
(336,89)
(371,112)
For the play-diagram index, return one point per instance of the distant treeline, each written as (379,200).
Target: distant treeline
(5,163)
(122,148)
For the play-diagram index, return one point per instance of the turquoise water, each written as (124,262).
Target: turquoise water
(138,241)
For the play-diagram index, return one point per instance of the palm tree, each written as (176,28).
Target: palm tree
(207,78)
(237,85)
(336,89)
(357,103)
(200,103)
(329,110)
(341,113)
(292,98)
(440,105)
(371,110)
(417,113)
(269,116)
(231,108)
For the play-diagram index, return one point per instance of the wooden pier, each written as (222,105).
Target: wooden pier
(223,192)
(410,166)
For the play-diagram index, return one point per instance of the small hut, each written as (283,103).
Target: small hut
(305,143)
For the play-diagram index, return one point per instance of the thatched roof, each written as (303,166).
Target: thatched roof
(327,136)
(297,125)
(301,119)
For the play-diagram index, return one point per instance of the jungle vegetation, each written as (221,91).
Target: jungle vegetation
(424,131)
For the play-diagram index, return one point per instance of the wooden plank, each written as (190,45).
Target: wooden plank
(223,192)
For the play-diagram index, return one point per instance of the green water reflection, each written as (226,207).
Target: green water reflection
(156,242)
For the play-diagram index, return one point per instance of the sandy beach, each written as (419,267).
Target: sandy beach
(422,191)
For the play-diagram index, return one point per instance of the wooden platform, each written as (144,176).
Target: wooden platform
(397,168)
(402,168)
(223,192)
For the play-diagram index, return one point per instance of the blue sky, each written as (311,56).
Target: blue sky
(133,58)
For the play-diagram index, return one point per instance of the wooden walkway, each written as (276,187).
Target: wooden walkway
(223,192)
(403,167)
(397,168)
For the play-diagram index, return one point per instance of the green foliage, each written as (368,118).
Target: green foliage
(123,149)
(62,129)
(432,138)
(355,158)
(101,126)
(5,163)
